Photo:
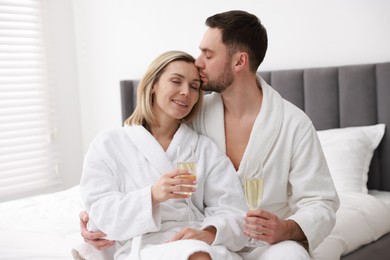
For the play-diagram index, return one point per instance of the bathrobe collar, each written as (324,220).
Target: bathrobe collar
(264,132)
(161,160)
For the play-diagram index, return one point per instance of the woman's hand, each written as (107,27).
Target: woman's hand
(170,186)
(94,238)
(207,235)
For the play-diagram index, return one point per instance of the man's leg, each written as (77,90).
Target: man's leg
(285,250)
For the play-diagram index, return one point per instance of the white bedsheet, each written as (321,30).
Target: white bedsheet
(361,219)
(41,227)
(47,226)
(384,196)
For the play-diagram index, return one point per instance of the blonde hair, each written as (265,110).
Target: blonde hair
(143,113)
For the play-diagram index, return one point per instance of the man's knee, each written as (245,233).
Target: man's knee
(288,249)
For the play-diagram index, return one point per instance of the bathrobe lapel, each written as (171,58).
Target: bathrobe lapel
(265,129)
(214,122)
(150,148)
(184,136)
(162,161)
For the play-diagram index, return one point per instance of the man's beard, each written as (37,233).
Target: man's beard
(222,82)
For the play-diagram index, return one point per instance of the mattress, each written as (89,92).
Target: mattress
(40,227)
(47,226)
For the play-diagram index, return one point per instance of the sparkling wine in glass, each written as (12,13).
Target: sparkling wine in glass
(253,187)
(254,192)
(186,161)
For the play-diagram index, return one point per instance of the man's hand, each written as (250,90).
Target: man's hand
(93,238)
(265,226)
(207,235)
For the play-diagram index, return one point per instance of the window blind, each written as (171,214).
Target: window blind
(28,152)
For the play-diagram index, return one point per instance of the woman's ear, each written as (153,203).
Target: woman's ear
(153,88)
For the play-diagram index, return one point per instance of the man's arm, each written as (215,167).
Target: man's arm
(96,239)
(314,200)
(295,231)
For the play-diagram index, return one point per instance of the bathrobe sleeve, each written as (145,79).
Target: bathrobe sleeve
(224,201)
(313,199)
(130,214)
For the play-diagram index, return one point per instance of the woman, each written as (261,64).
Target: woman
(130,186)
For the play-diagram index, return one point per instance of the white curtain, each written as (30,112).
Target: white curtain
(28,154)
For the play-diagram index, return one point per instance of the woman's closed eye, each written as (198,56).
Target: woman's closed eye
(176,81)
(195,86)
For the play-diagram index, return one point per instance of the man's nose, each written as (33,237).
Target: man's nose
(199,63)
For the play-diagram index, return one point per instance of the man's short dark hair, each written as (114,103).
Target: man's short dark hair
(242,31)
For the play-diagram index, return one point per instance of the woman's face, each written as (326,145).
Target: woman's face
(176,92)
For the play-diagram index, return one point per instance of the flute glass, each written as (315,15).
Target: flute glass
(253,187)
(186,161)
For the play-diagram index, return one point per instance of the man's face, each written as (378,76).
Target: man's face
(213,63)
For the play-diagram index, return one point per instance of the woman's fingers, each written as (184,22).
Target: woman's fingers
(177,184)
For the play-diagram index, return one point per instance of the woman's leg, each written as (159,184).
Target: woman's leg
(181,249)
(200,256)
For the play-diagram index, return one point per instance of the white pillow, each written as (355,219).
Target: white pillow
(348,152)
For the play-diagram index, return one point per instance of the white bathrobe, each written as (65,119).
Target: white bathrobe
(120,167)
(297,183)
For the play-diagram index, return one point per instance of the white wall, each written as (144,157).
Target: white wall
(116,39)
(63,79)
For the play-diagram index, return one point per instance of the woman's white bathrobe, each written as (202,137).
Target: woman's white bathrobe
(298,184)
(120,167)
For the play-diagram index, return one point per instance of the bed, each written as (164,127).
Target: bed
(346,104)
(350,108)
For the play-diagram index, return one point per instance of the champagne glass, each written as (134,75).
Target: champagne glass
(186,161)
(253,187)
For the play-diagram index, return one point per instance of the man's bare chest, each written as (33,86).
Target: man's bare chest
(237,136)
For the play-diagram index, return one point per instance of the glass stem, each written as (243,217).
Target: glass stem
(190,217)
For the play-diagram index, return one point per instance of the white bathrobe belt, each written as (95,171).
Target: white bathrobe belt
(136,246)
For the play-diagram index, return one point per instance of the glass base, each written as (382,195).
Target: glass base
(255,243)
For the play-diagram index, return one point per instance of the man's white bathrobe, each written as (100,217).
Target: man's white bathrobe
(120,167)
(297,183)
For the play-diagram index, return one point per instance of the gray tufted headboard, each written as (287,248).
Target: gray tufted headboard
(333,97)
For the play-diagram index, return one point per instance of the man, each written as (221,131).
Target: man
(251,122)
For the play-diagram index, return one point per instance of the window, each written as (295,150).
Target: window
(28,152)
